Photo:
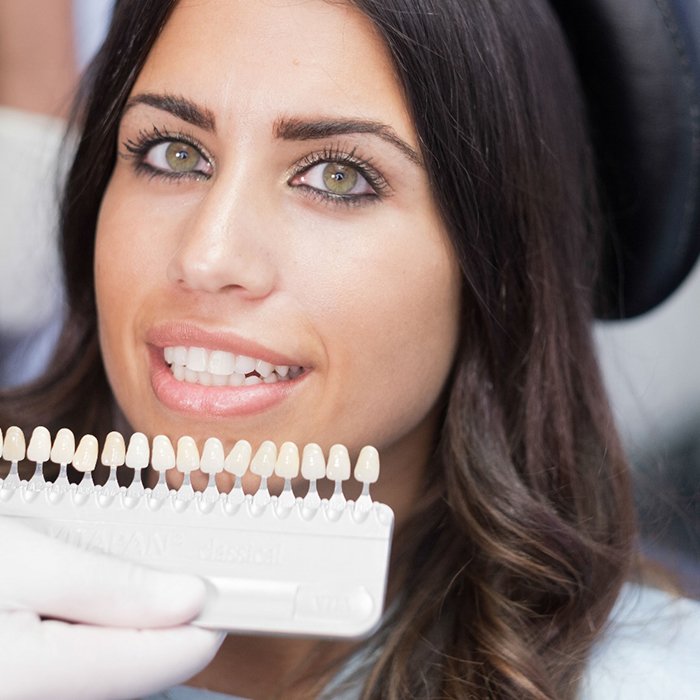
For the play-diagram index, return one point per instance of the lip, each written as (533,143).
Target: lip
(228,401)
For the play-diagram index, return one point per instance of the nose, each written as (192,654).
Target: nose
(222,246)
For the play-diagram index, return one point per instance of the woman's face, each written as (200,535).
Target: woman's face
(269,209)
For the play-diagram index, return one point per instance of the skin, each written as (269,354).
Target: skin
(364,295)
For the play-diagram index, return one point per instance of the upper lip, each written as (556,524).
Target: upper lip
(188,334)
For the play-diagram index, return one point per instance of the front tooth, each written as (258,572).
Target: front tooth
(179,372)
(85,457)
(222,362)
(114,450)
(212,461)
(180,355)
(187,455)
(287,464)
(245,364)
(367,466)
(137,454)
(63,446)
(238,458)
(219,379)
(204,378)
(39,449)
(162,454)
(282,370)
(197,359)
(190,375)
(313,463)
(263,464)
(169,354)
(264,369)
(338,468)
(14,446)
(236,379)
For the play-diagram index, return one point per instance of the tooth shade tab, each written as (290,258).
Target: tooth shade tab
(63,447)
(85,457)
(313,462)
(14,446)
(138,452)
(39,449)
(162,454)
(187,455)
(287,464)
(367,465)
(212,461)
(238,459)
(114,450)
(263,463)
(338,468)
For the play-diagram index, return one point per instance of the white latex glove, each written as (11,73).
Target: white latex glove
(130,637)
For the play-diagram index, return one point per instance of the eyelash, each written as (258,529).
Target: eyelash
(138,149)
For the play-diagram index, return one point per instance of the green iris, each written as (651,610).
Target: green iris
(181,157)
(339,179)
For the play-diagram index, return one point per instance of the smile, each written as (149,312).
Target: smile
(197,365)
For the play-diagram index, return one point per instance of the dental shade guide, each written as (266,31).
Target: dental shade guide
(288,564)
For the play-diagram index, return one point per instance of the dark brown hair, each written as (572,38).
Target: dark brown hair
(512,566)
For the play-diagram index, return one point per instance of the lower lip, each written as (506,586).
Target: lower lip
(229,401)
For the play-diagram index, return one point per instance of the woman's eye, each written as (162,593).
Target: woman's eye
(177,157)
(338,179)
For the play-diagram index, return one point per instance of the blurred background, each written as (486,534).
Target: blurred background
(651,363)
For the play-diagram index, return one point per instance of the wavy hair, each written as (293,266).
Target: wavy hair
(509,572)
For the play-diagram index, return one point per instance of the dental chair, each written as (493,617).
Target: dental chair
(639,61)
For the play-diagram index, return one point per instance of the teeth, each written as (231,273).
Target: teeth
(13,449)
(338,463)
(367,466)
(114,451)
(220,368)
(287,464)
(239,458)
(39,449)
(63,446)
(137,454)
(162,455)
(187,455)
(85,457)
(313,463)
(263,464)
(212,461)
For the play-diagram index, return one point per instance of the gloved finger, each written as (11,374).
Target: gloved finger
(57,580)
(62,661)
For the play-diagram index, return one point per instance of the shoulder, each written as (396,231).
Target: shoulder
(649,650)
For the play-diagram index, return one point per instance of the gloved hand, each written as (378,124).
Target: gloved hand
(130,637)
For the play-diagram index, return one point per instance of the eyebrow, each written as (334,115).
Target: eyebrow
(287,128)
(180,107)
(293,129)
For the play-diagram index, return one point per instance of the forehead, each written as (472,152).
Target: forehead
(282,55)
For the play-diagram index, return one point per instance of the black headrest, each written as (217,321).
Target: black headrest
(639,61)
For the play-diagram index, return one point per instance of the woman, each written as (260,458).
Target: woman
(393,203)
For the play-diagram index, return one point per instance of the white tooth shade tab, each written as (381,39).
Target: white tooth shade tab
(162,454)
(338,468)
(313,462)
(114,450)
(367,465)
(63,447)
(263,463)
(287,464)
(39,449)
(187,459)
(138,452)
(212,461)
(85,457)
(238,459)
(14,446)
